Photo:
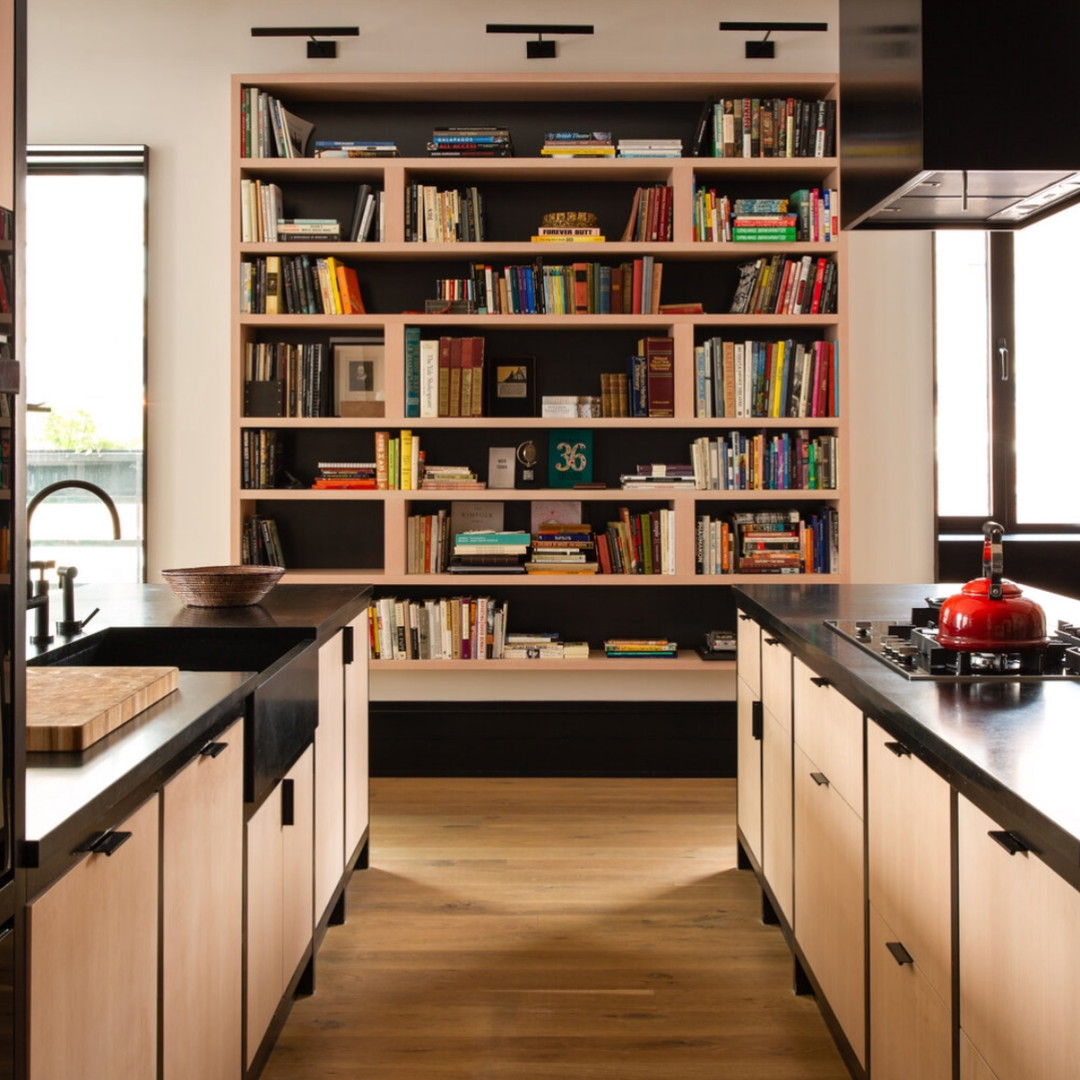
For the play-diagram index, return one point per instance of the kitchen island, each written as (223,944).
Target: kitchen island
(178,874)
(916,839)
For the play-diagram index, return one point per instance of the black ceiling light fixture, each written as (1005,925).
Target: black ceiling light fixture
(766,49)
(539,49)
(316,50)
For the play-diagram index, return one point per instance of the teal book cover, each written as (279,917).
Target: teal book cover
(570,457)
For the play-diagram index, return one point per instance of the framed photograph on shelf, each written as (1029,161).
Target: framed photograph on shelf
(512,386)
(359,376)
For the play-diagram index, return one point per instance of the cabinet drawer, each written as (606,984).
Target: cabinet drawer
(908,809)
(748,651)
(776,679)
(748,791)
(830,897)
(910,1024)
(1019,939)
(830,730)
(776,809)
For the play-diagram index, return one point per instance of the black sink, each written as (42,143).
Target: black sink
(281,713)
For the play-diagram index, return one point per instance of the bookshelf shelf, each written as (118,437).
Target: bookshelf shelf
(687,658)
(359,536)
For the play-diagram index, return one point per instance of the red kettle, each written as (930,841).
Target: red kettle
(990,614)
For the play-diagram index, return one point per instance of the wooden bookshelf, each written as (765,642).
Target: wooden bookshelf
(359,535)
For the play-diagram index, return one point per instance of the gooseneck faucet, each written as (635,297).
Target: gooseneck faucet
(40,589)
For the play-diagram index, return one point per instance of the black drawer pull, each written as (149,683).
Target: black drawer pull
(820,680)
(820,779)
(756,719)
(288,802)
(348,648)
(1009,841)
(104,843)
(744,617)
(771,641)
(900,954)
(898,748)
(212,749)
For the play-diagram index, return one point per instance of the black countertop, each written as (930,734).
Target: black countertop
(1012,746)
(70,793)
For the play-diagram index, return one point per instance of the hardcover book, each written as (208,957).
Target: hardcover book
(570,454)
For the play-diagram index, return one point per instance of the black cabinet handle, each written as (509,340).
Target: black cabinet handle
(1009,841)
(756,719)
(348,649)
(213,749)
(288,802)
(820,779)
(820,680)
(900,954)
(898,748)
(771,641)
(744,617)
(104,843)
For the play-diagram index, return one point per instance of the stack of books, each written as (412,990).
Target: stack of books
(449,477)
(757,220)
(641,648)
(567,144)
(489,551)
(567,234)
(543,646)
(768,542)
(308,229)
(563,548)
(653,476)
(354,148)
(260,543)
(638,148)
(470,142)
(345,474)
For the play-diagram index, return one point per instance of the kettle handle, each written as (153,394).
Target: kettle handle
(992,557)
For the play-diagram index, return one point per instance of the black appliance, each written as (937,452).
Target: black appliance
(910,647)
(958,113)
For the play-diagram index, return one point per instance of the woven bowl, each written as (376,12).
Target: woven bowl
(222,586)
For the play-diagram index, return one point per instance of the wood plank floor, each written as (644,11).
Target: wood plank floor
(552,929)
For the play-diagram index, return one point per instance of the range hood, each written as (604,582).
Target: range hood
(958,113)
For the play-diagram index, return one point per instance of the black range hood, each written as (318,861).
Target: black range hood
(958,113)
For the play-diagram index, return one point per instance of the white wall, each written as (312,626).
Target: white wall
(157,71)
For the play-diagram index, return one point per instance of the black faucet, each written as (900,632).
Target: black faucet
(39,598)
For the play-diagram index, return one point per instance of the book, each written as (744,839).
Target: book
(569,457)
(659,353)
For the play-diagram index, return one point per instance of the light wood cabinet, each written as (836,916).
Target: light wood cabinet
(1019,927)
(202,913)
(748,733)
(829,859)
(279,912)
(777,793)
(330,773)
(93,961)
(357,756)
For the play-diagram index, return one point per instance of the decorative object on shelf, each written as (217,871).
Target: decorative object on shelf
(222,586)
(359,376)
(539,49)
(512,387)
(316,50)
(527,455)
(766,49)
(570,454)
(501,467)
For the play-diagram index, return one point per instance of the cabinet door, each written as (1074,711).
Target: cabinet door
(909,848)
(1019,939)
(748,789)
(829,895)
(748,652)
(776,802)
(202,881)
(330,773)
(910,1024)
(972,1065)
(297,917)
(93,963)
(357,760)
(265,982)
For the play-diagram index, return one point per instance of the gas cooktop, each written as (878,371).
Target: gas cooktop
(910,647)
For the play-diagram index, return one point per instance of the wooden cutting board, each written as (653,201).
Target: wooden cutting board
(70,708)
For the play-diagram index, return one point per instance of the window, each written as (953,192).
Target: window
(1008,377)
(86,356)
